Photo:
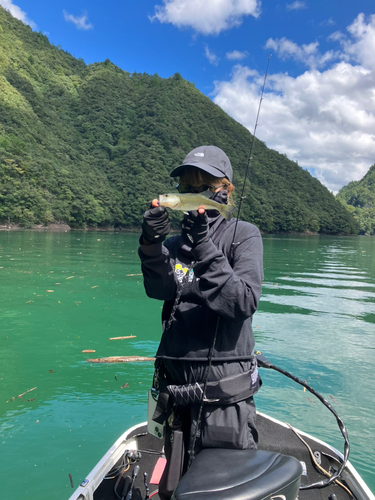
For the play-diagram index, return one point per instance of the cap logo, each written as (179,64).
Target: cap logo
(198,154)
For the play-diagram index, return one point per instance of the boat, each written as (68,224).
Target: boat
(289,464)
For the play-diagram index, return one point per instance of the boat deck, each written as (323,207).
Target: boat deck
(273,437)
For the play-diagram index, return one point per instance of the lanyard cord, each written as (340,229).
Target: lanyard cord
(205,381)
(263,362)
(180,287)
(219,224)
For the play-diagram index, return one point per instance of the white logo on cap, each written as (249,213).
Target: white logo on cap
(198,154)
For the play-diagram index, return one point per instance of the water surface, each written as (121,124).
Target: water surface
(62,293)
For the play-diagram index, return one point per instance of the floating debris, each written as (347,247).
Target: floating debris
(125,386)
(311,401)
(49,291)
(71,480)
(121,338)
(70,277)
(133,274)
(119,359)
(20,395)
(333,399)
(89,350)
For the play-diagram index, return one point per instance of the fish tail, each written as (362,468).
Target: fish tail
(227,211)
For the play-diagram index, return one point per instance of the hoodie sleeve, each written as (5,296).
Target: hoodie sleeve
(232,292)
(158,271)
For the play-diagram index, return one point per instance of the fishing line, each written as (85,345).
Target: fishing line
(251,152)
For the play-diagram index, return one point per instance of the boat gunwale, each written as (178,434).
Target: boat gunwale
(105,464)
(97,474)
(359,487)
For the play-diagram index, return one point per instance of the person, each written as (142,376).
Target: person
(209,278)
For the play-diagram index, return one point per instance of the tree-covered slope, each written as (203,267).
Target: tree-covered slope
(359,198)
(93,144)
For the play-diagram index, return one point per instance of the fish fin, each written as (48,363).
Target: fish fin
(227,211)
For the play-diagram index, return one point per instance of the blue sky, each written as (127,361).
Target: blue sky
(319,105)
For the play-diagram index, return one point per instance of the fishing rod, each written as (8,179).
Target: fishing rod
(210,354)
(251,153)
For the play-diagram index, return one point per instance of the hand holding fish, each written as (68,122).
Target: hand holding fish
(195,227)
(155,225)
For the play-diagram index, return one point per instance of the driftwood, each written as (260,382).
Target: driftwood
(89,350)
(20,395)
(121,338)
(119,359)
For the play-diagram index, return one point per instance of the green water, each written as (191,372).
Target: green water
(62,293)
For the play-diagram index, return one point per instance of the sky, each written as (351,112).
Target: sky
(318,106)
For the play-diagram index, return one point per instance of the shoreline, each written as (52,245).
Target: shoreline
(65,228)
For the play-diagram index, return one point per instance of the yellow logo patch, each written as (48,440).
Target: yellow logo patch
(180,271)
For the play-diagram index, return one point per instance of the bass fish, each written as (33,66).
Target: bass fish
(193,201)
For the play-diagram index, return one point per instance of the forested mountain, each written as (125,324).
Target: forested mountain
(359,197)
(92,144)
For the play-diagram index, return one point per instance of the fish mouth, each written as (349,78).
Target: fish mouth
(164,198)
(171,205)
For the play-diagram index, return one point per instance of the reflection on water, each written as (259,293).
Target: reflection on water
(63,293)
(316,319)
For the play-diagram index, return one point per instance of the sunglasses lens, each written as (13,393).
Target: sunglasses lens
(184,188)
(187,188)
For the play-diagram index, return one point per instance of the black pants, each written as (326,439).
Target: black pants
(229,426)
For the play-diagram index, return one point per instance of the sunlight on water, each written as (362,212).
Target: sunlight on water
(63,293)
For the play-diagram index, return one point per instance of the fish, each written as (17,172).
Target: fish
(193,201)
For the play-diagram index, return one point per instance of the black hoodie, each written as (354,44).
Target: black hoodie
(217,283)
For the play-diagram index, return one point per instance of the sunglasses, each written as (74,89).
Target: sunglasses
(187,188)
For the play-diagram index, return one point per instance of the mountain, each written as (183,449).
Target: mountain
(93,144)
(359,198)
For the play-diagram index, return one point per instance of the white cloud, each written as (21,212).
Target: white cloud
(236,55)
(307,54)
(296,5)
(328,22)
(80,22)
(17,12)
(324,119)
(209,17)
(361,45)
(212,58)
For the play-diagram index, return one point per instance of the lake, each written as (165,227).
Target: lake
(63,293)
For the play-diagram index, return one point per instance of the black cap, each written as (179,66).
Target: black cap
(208,158)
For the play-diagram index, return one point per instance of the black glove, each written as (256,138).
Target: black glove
(195,227)
(155,225)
